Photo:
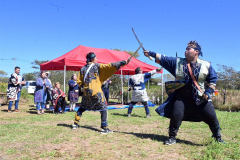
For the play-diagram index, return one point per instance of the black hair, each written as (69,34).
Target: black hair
(17,67)
(137,70)
(90,56)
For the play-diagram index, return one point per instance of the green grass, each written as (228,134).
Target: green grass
(30,136)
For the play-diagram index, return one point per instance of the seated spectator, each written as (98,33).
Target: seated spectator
(58,99)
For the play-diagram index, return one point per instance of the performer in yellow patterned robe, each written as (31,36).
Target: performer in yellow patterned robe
(91,77)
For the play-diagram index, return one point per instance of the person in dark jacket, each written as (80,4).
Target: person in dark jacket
(189,95)
(105,88)
(73,92)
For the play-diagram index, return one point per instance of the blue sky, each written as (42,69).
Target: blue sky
(44,29)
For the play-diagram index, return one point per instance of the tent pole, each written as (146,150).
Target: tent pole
(64,79)
(122,86)
(148,84)
(128,88)
(162,87)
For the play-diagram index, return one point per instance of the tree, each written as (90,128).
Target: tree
(30,76)
(2,73)
(227,78)
(36,63)
(168,77)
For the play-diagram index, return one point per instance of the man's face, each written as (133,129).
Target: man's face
(17,71)
(94,60)
(191,53)
(141,71)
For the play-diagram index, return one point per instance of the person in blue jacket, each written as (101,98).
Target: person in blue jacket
(139,94)
(189,95)
(73,92)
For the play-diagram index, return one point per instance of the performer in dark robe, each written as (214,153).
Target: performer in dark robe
(189,95)
(139,94)
(92,76)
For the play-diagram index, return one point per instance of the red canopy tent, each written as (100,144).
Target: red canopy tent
(76,59)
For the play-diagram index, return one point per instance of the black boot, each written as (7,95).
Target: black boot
(216,134)
(172,134)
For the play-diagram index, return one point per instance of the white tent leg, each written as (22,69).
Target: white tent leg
(162,87)
(148,84)
(64,79)
(128,88)
(122,86)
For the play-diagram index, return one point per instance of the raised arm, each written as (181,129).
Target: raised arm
(169,63)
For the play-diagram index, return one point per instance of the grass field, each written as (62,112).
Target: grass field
(27,135)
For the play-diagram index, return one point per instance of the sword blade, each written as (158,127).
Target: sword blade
(135,52)
(141,44)
(138,40)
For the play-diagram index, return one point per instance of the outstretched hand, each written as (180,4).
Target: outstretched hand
(126,62)
(205,96)
(146,53)
(159,69)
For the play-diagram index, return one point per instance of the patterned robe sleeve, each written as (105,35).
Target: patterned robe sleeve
(80,79)
(13,80)
(107,70)
(39,82)
(148,75)
(168,63)
(211,80)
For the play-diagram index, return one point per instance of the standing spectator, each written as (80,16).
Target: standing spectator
(105,89)
(59,99)
(40,95)
(73,92)
(14,89)
(49,92)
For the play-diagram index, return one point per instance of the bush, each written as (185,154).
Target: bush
(3,87)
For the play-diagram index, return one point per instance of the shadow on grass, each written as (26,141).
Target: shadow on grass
(125,115)
(4,110)
(87,127)
(160,138)
(33,111)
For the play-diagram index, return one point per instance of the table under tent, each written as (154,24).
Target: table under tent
(75,59)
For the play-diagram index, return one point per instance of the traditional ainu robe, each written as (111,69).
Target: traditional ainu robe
(93,97)
(137,82)
(13,86)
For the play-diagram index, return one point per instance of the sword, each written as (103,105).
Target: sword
(135,52)
(141,44)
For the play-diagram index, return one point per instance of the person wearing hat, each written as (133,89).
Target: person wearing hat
(137,84)
(58,99)
(40,94)
(73,92)
(92,76)
(189,95)
(49,92)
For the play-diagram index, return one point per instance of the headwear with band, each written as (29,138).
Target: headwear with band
(90,56)
(196,46)
(137,70)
